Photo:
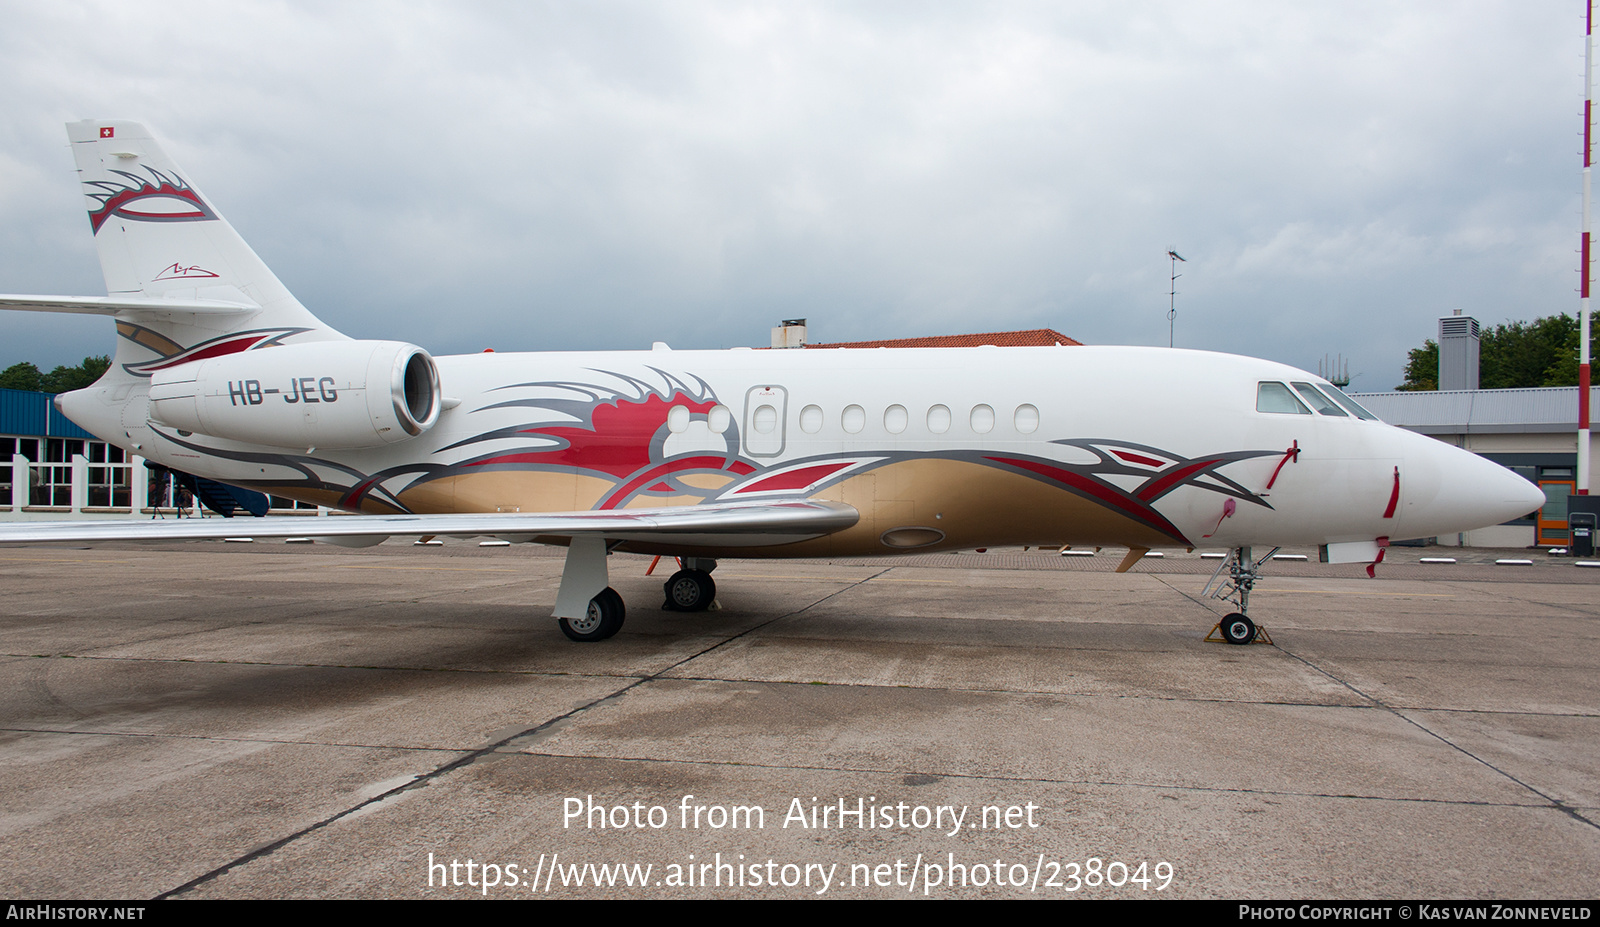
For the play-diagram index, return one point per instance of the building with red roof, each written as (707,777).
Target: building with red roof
(1029,338)
(792,334)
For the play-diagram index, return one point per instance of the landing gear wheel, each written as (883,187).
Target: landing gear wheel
(602,620)
(1238,629)
(614,608)
(689,591)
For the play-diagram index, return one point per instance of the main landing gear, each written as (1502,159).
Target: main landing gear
(691,589)
(1242,574)
(589,610)
(600,620)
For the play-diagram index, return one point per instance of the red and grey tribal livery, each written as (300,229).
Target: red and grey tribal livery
(221,372)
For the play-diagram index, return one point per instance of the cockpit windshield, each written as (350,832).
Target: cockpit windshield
(1355,407)
(1275,397)
(1325,398)
(1321,403)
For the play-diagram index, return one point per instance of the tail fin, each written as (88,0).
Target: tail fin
(161,241)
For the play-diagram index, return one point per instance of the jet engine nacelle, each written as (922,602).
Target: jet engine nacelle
(332,394)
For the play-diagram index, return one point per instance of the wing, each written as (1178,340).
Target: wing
(732,524)
(106,305)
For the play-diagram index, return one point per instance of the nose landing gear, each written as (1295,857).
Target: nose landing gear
(1237,629)
(1242,573)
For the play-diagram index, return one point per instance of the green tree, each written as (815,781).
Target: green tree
(1516,355)
(65,379)
(60,380)
(1512,355)
(1564,370)
(1422,368)
(20,376)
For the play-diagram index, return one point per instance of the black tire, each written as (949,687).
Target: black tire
(1237,629)
(689,591)
(604,619)
(615,609)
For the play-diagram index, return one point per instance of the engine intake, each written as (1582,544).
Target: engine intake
(333,394)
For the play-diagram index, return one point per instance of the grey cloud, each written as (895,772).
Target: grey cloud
(607,174)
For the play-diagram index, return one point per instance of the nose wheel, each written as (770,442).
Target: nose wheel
(1242,572)
(1237,629)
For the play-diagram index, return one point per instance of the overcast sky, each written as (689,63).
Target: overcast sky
(583,175)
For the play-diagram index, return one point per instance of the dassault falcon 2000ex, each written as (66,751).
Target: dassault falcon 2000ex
(220,372)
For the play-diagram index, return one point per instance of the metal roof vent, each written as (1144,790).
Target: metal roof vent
(1458,352)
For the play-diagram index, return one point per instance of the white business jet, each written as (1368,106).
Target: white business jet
(220,372)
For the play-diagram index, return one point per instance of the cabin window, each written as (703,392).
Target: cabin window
(939,419)
(854,419)
(765,420)
(719,418)
(1026,419)
(678,420)
(895,418)
(982,419)
(1275,397)
(811,419)
(1321,403)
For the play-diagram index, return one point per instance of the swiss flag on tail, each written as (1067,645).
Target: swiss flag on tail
(108,131)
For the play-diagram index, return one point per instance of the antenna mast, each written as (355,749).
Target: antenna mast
(1334,370)
(1172,297)
(1583,285)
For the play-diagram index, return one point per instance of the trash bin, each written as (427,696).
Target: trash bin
(1581,526)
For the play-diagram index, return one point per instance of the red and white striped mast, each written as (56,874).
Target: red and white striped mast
(1583,286)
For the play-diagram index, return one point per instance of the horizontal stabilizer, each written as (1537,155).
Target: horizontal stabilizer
(115,305)
(738,524)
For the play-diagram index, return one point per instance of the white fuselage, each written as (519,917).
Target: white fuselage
(938,448)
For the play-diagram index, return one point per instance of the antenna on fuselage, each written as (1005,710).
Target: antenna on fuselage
(1172,297)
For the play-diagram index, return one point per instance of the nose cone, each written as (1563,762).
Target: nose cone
(1491,494)
(1445,489)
